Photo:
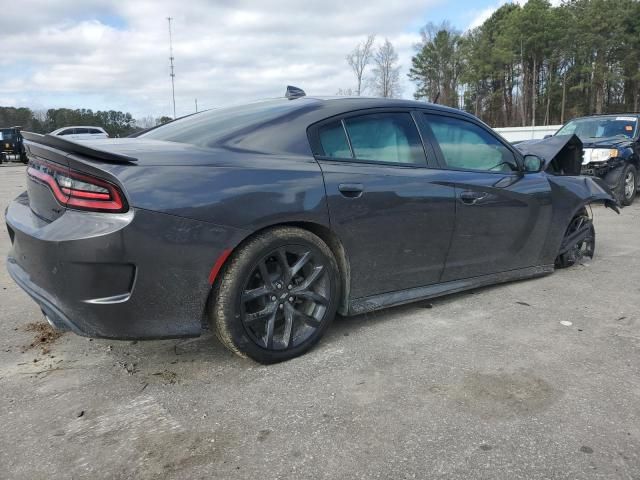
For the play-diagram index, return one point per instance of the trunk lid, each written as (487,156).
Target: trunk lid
(148,152)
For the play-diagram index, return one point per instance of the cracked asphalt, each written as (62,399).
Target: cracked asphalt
(538,379)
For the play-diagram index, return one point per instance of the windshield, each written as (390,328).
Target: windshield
(601,127)
(6,134)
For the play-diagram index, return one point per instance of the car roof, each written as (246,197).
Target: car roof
(598,115)
(357,103)
(276,125)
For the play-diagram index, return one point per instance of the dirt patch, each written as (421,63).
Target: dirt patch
(501,395)
(43,336)
(166,377)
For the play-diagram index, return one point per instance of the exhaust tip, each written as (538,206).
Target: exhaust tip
(54,323)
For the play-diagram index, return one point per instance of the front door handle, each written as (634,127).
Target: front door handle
(469,197)
(351,190)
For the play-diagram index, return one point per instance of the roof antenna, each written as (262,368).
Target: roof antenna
(294,92)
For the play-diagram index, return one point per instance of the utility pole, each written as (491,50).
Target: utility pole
(564,94)
(172,74)
(196,105)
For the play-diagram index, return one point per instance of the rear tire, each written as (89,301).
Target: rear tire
(276,296)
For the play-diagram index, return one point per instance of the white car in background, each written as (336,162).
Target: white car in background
(81,133)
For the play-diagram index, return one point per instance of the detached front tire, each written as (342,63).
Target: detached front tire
(276,296)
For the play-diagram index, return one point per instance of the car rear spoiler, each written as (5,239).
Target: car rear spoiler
(70,146)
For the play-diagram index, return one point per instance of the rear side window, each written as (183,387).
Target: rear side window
(386,137)
(334,141)
(466,146)
(376,137)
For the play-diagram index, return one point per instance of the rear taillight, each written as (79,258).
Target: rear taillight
(78,190)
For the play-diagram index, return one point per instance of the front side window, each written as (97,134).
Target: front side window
(466,146)
(385,137)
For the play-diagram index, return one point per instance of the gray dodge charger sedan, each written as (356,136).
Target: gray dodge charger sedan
(264,220)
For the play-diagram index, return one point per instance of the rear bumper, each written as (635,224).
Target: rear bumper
(137,275)
(55,316)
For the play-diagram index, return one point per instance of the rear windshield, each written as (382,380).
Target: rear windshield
(228,126)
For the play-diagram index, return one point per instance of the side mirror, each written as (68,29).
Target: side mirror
(548,136)
(533,164)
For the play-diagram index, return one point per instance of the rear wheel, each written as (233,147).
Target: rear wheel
(579,241)
(276,296)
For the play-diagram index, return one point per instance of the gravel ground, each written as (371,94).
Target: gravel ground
(534,379)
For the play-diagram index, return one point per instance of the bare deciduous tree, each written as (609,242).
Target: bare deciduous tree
(386,74)
(359,58)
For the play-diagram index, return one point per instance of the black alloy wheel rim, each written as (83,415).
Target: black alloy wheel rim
(285,297)
(583,248)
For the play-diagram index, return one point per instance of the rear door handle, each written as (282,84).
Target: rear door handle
(351,190)
(469,197)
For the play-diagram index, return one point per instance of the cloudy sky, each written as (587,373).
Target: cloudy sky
(114,54)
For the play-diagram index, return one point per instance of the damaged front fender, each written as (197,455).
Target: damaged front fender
(570,196)
(562,158)
(584,191)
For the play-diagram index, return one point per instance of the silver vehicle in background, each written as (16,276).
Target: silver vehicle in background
(81,132)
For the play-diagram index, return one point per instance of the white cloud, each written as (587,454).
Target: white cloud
(106,54)
(481,16)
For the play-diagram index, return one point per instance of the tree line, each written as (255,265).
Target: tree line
(531,64)
(116,123)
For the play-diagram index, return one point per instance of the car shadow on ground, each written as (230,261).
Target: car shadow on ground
(207,349)
(372,318)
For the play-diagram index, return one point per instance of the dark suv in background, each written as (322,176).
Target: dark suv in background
(11,147)
(611,145)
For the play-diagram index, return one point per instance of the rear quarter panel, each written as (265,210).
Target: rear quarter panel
(247,193)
